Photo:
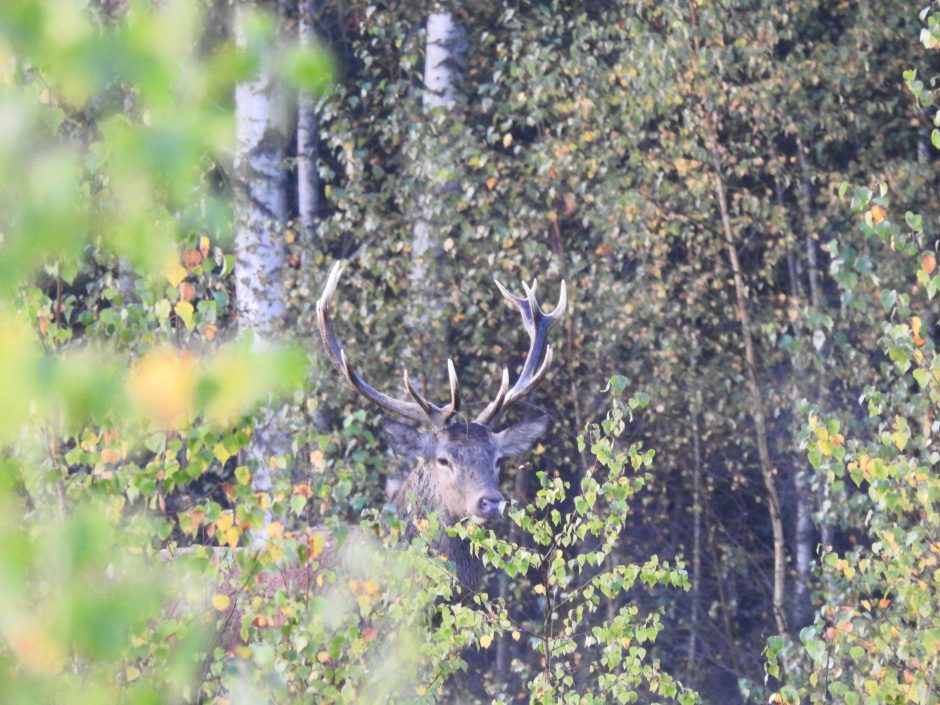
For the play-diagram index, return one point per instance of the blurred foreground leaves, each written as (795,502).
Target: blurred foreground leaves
(116,137)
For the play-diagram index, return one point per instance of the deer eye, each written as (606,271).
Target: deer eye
(444,462)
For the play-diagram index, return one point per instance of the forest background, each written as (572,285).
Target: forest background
(741,198)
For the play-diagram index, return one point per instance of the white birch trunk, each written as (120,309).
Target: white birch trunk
(260,214)
(308,121)
(442,72)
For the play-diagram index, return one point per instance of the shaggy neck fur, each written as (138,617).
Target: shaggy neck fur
(417,494)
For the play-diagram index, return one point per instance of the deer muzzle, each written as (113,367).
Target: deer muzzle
(490,506)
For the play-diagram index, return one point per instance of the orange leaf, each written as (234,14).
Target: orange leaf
(192,258)
(878,213)
(187,291)
(928,261)
(196,516)
(915,328)
(110,455)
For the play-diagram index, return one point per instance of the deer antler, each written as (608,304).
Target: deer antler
(419,409)
(537,324)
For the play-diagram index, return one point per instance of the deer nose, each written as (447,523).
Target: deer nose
(491,505)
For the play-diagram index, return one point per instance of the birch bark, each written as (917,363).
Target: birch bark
(308,121)
(768,472)
(260,213)
(442,72)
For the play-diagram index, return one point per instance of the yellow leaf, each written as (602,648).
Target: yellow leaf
(485,641)
(231,536)
(225,521)
(900,439)
(539,589)
(877,214)
(163,385)
(516,636)
(131,673)
(275,529)
(185,311)
(370,586)
(507,140)
(220,602)
(491,183)
(204,245)
(420,689)
(317,544)
(36,650)
(221,453)
(174,272)
(323,657)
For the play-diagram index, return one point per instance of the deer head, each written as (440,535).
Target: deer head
(456,462)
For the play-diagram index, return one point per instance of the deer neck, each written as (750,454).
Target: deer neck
(416,496)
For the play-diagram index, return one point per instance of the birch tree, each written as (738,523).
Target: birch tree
(260,211)
(308,183)
(442,71)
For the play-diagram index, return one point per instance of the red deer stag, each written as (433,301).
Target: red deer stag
(455,469)
(456,462)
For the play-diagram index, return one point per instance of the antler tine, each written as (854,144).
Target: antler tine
(494,407)
(419,410)
(438,415)
(537,323)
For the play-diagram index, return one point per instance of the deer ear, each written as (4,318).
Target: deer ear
(406,441)
(519,438)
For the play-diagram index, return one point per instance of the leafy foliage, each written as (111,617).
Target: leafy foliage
(586,143)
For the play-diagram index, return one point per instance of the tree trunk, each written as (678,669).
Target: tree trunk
(697,508)
(804,534)
(768,472)
(260,213)
(308,182)
(815,299)
(442,62)
(442,71)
